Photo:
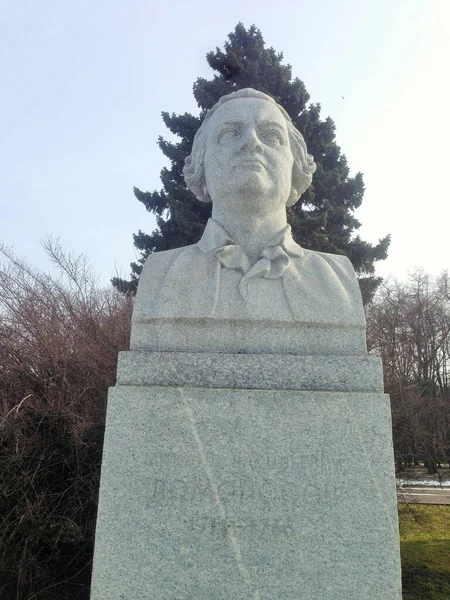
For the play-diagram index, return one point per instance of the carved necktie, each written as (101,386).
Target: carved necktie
(271,265)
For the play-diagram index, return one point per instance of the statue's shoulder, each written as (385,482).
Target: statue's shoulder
(335,276)
(154,272)
(160,261)
(157,265)
(339,263)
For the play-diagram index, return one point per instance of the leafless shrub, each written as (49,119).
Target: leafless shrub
(408,325)
(59,340)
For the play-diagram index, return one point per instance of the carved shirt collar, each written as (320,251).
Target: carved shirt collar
(274,258)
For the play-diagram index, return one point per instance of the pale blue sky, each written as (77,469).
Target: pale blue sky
(84,84)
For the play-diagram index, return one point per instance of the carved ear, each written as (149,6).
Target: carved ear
(201,193)
(294,196)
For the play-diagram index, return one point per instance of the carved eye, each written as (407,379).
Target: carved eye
(272,136)
(228,134)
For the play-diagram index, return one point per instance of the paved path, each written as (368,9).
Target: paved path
(425,495)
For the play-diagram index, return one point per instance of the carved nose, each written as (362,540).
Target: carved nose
(252,142)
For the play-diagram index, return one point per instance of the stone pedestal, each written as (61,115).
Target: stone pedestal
(253,476)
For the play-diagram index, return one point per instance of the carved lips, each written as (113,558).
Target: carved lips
(256,163)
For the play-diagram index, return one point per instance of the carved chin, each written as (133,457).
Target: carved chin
(250,180)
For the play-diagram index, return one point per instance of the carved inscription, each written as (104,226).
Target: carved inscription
(286,482)
(237,491)
(216,527)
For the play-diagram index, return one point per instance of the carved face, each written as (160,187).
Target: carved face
(248,159)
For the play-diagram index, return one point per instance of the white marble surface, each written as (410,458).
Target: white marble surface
(248,447)
(250,162)
(229,493)
(251,371)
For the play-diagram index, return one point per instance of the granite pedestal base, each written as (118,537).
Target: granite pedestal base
(230,493)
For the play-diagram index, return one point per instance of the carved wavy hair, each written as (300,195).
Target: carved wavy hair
(302,170)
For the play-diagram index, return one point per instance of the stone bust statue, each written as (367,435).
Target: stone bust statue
(246,277)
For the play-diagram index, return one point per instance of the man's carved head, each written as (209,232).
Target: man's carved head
(303,163)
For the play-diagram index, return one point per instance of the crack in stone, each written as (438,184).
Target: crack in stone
(229,527)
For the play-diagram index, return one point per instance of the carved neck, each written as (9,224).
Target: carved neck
(251,232)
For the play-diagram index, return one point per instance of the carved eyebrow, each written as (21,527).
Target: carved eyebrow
(271,124)
(238,123)
(226,123)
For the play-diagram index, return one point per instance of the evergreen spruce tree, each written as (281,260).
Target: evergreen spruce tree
(324,218)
